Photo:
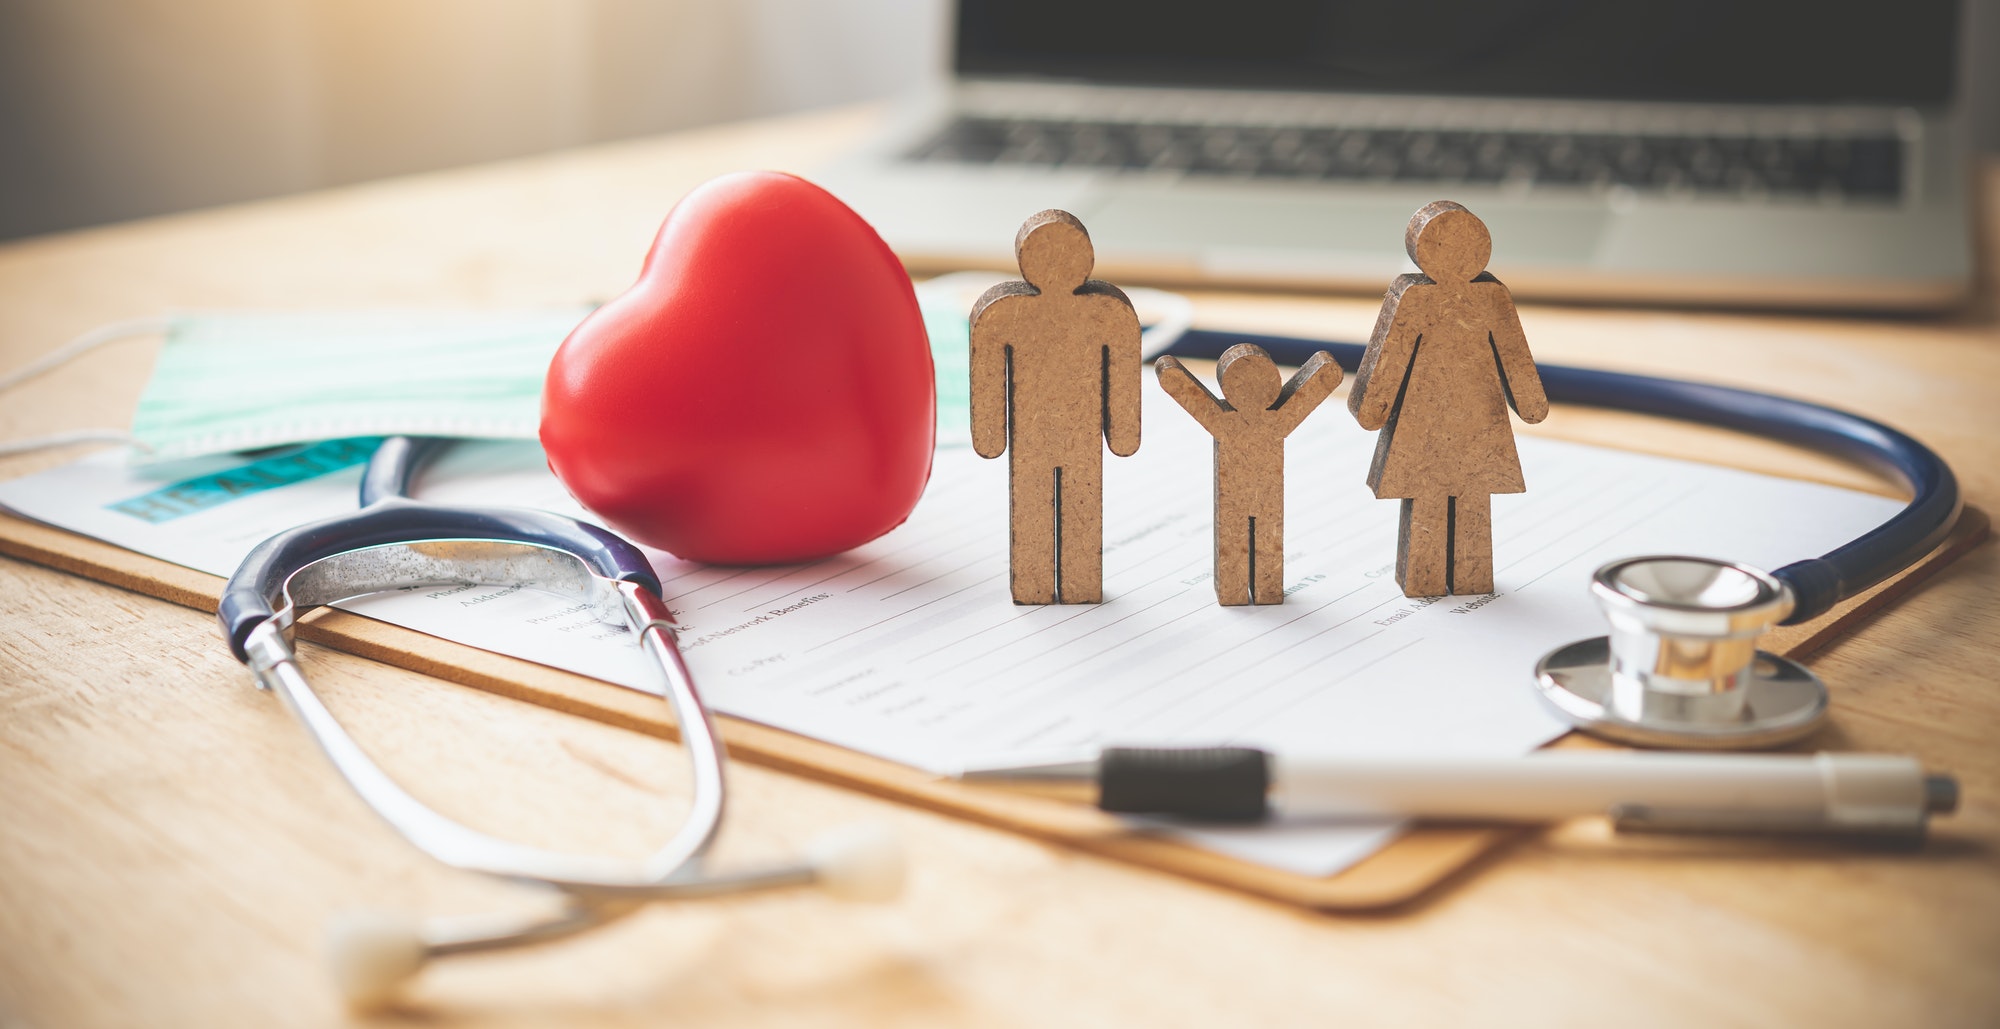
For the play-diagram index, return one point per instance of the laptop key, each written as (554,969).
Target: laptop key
(1863,167)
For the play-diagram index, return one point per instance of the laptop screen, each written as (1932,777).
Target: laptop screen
(1758,51)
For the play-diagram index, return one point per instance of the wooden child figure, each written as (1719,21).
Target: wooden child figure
(1446,360)
(1055,377)
(1257,411)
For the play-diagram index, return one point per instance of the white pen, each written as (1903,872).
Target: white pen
(1831,793)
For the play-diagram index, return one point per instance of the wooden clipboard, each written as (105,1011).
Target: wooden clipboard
(1414,864)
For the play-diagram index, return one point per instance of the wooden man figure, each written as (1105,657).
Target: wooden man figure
(1055,377)
(1446,360)
(1250,422)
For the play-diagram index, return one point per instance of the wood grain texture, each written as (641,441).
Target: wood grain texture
(169,842)
(1250,421)
(1445,362)
(1055,379)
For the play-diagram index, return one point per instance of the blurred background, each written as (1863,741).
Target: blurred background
(115,109)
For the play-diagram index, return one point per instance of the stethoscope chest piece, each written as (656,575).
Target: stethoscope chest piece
(1681,666)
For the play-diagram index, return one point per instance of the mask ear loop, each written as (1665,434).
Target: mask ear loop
(64,354)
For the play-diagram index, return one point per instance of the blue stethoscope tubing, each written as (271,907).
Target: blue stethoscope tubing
(1818,583)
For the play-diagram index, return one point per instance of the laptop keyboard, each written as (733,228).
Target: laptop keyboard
(1864,167)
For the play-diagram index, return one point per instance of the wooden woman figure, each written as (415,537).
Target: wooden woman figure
(1257,410)
(1446,360)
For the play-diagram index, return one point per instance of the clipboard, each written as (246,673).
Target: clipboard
(1412,866)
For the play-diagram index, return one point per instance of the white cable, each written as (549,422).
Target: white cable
(83,344)
(71,438)
(64,354)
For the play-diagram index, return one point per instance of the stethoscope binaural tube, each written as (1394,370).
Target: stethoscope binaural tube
(388,516)
(1816,584)
(395,542)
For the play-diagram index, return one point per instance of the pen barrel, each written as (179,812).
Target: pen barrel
(1834,790)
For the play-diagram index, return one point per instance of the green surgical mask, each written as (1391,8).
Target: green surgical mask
(233,381)
(244,381)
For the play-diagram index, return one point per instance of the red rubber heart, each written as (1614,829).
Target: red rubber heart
(764,392)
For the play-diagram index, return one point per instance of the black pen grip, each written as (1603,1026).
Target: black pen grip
(1215,784)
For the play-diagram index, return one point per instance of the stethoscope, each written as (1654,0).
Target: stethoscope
(1680,667)
(394,542)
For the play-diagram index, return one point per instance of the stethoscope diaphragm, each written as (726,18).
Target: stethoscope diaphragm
(1680,667)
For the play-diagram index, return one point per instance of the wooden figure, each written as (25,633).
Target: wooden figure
(1446,360)
(1250,422)
(1055,377)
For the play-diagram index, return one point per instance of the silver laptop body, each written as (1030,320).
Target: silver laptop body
(1836,203)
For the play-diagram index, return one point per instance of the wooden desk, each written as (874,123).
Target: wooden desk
(170,846)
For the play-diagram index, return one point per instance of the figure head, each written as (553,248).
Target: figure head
(1054,252)
(1249,378)
(1448,242)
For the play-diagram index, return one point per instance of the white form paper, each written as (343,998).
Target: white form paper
(911,649)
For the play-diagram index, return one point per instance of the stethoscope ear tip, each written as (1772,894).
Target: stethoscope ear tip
(861,862)
(371,954)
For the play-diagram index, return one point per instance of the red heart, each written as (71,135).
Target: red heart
(764,392)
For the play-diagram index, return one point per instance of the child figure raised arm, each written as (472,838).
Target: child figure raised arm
(1257,410)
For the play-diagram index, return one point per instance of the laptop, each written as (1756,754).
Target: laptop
(1761,153)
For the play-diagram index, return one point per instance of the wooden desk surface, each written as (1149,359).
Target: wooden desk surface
(170,846)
